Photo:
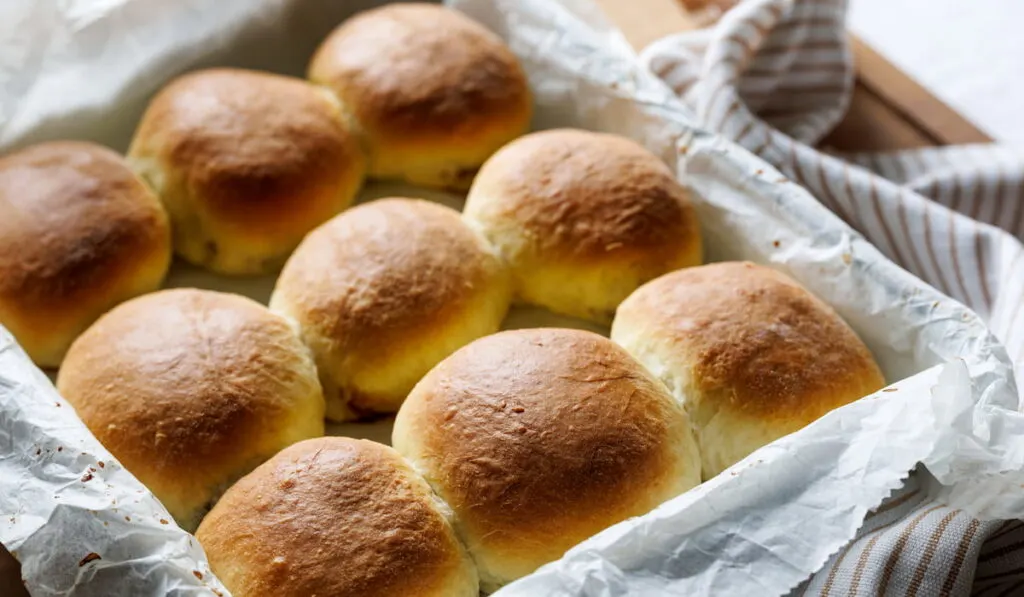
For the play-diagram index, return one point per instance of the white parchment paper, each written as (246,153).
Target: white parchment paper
(85,68)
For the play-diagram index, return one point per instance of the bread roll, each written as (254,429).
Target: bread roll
(382,293)
(583,219)
(79,233)
(750,353)
(539,439)
(191,389)
(246,163)
(336,517)
(434,92)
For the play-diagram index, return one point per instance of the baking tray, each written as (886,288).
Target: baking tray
(909,327)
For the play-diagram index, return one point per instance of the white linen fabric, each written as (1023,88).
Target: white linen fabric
(775,76)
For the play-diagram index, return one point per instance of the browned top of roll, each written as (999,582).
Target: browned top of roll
(584,196)
(245,142)
(73,219)
(331,516)
(542,433)
(181,378)
(778,350)
(418,70)
(383,270)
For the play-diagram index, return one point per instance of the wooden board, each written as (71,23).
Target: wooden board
(10,576)
(892,111)
(889,110)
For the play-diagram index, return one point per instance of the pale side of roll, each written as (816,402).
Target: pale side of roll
(434,92)
(540,438)
(583,219)
(336,517)
(190,390)
(246,164)
(383,292)
(79,233)
(751,354)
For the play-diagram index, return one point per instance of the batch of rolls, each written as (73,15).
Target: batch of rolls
(508,447)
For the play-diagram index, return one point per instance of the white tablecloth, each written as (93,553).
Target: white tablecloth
(966,53)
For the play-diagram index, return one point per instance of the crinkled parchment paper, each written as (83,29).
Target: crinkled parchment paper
(83,526)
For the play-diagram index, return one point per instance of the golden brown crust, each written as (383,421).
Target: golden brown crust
(416,71)
(78,234)
(582,196)
(246,156)
(540,438)
(434,92)
(383,269)
(190,389)
(334,517)
(756,340)
(382,279)
(582,219)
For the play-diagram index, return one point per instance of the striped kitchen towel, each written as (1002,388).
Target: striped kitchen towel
(912,546)
(775,76)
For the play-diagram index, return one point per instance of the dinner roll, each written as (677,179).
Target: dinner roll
(583,219)
(335,517)
(750,353)
(382,293)
(246,163)
(539,439)
(190,389)
(79,233)
(434,92)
